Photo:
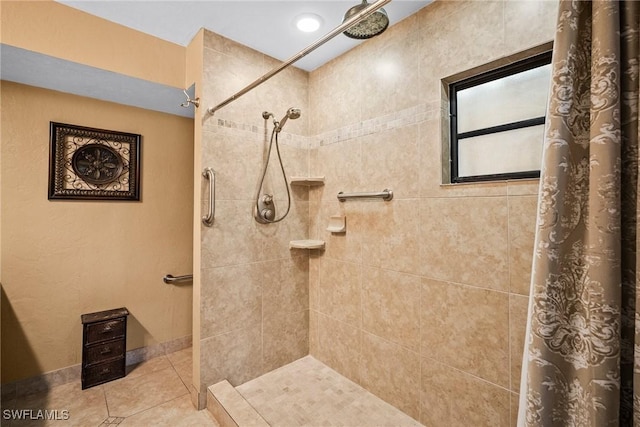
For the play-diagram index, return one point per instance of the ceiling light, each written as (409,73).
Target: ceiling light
(308,22)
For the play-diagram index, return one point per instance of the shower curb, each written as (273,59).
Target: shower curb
(230,409)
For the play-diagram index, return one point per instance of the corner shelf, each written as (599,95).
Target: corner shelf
(306,244)
(308,181)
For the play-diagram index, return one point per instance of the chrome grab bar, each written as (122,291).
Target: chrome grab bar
(210,175)
(169,279)
(384,195)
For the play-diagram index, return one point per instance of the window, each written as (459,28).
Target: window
(497,122)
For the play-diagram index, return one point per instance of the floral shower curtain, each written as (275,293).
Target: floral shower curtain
(581,365)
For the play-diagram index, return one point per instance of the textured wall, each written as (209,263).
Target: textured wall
(423,300)
(61,259)
(253,290)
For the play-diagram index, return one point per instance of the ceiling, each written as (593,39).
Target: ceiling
(265,25)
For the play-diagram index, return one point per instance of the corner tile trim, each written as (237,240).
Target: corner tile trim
(399,119)
(407,117)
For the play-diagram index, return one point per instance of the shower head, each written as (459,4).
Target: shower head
(370,26)
(292,113)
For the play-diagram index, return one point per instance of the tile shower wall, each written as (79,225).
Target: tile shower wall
(423,300)
(254,300)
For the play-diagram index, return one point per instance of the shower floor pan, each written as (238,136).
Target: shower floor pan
(303,393)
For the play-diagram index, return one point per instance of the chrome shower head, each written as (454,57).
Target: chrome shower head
(370,26)
(292,113)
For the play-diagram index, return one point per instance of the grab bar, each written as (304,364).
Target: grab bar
(384,195)
(169,279)
(210,175)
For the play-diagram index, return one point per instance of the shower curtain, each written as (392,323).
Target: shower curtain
(581,362)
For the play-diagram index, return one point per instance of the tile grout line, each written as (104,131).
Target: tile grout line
(420,323)
(106,402)
(509,320)
(178,373)
(155,406)
(146,375)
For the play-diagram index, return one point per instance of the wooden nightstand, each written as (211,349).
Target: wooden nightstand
(104,346)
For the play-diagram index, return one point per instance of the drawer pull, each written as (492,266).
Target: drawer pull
(105,371)
(106,329)
(105,350)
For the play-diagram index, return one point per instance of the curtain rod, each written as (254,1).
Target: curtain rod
(339,29)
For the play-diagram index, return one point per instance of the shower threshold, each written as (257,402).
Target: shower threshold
(303,393)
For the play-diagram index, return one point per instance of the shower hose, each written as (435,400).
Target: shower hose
(274,136)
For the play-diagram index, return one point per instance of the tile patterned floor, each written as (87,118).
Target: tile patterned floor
(308,393)
(154,393)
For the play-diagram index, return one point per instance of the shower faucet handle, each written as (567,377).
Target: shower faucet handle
(265,209)
(268,214)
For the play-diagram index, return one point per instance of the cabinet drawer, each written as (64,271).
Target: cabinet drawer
(102,373)
(104,351)
(103,331)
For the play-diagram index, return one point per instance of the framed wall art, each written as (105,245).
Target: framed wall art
(93,164)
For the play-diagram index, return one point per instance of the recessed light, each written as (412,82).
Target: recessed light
(308,22)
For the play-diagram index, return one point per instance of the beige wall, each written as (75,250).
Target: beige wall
(61,259)
(423,300)
(194,73)
(254,290)
(51,28)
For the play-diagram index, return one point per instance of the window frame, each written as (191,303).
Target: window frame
(476,80)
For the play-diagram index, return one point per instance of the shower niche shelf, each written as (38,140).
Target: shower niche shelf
(308,181)
(306,244)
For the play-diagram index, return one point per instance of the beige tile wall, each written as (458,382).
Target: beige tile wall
(423,301)
(254,295)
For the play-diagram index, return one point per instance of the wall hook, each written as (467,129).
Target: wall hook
(195,102)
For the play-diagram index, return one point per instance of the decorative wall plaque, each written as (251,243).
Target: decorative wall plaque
(93,164)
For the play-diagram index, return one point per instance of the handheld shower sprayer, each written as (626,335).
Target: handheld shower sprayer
(265,210)
(292,113)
